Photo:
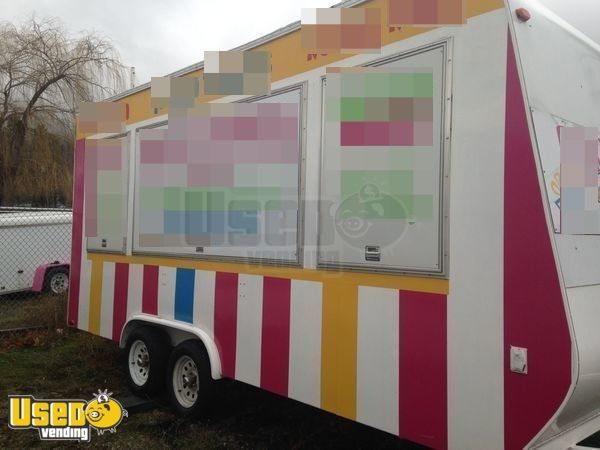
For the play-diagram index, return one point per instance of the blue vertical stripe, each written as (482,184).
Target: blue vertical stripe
(184,295)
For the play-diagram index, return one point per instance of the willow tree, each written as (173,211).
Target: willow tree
(44,73)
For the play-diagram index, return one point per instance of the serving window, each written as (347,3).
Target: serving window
(382,167)
(106,187)
(222,180)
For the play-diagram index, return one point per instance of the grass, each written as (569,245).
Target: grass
(72,364)
(32,309)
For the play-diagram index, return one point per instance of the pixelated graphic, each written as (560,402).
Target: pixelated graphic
(174,92)
(102,117)
(380,107)
(105,190)
(579,180)
(341,30)
(237,72)
(384,113)
(426,12)
(220,175)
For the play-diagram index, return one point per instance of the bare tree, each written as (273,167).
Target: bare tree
(44,74)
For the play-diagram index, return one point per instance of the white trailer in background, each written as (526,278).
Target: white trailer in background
(35,250)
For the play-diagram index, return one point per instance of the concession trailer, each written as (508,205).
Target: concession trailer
(389,240)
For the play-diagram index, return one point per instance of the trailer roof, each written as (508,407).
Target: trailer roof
(14,218)
(247,46)
(284,45)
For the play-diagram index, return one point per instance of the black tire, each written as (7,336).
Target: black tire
(155,344)
(56,281)
(205,385)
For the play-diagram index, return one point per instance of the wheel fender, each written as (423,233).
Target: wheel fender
(170,325)
(40,275)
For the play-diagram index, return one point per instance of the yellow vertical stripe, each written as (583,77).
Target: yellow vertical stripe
(338,353)
(95,296)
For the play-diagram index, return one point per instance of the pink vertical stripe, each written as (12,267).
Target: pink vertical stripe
(275,351)
(76,233)
(150,290)
(534,312)
(423,369)
(120,299)
(225,327)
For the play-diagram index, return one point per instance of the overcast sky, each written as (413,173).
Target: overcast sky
(161,36)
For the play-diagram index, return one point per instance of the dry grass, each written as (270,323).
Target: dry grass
(32,309)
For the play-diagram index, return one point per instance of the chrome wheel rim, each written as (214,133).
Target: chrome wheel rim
(139,362)
(59,283)
(185,381)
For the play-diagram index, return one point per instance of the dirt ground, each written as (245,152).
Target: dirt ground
(67,363)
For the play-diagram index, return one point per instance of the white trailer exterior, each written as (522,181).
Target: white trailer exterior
(31,243)
(428,351)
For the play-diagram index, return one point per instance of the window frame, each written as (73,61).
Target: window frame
(299,250)
(444,184)
(125,238)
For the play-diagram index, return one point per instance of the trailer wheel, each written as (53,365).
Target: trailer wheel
(56,281)
(189,382)
(147,352)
